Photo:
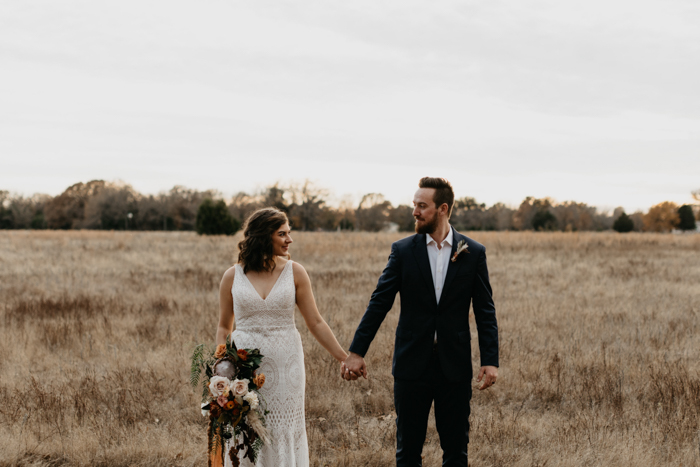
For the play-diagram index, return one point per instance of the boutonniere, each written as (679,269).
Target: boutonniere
(461,246)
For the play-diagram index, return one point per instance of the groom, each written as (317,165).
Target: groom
(437,278)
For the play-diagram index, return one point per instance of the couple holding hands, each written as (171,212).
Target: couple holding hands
(438,273)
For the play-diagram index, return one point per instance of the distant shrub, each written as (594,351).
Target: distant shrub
(6,220)
(544,220)
(38,222)
(214,218)
(687,218)
(623,224)
(346,224)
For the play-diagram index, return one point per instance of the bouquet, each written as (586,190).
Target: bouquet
(231,401)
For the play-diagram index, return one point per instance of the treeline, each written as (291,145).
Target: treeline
(114,206)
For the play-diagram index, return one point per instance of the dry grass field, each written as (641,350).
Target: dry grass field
(600,343)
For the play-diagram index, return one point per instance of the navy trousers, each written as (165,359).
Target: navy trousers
(413,399)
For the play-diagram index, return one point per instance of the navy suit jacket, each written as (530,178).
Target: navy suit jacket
(467,282)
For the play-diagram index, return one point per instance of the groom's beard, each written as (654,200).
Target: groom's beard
(427,226)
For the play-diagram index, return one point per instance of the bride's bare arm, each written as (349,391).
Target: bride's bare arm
(225,307)
(316,324)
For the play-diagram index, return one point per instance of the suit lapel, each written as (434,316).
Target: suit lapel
(420,252)
(452,267)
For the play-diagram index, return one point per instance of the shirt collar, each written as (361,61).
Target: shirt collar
(429,239)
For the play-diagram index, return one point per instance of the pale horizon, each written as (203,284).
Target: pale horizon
(595,103)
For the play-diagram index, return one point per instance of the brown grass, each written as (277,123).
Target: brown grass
(599,349)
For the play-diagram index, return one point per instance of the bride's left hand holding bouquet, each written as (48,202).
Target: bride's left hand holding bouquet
(231,400)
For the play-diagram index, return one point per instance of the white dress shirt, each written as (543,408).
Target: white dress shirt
(439,259)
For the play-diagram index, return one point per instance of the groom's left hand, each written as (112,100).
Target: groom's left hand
(489,375)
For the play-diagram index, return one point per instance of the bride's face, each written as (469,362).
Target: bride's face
(281,240)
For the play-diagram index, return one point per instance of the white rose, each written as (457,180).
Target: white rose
(205,413)
(240,387)
(218,385)
(252,399)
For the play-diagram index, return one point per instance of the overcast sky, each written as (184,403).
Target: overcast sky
(594,101)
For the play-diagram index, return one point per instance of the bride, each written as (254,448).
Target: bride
(260,291)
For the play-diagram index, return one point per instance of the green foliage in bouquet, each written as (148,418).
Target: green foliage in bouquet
(198,363)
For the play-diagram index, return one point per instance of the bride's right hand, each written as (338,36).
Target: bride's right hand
(345,374)
(354,369)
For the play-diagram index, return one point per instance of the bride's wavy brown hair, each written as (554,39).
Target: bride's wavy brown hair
(255,250)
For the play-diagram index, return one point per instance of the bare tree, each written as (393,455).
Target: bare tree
(274,196)
(468,214)
(109,208)
(572,216)
(151,213)
(372,213)
(18,212)
(67,210)
(182,204)
(307,209)
(242,205)
(498,217)
(402,215)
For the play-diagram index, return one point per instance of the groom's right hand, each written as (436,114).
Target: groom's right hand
(353,367)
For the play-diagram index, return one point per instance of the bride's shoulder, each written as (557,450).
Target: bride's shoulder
(229,274)
(299,272)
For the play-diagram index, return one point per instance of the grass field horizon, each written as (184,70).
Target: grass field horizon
(599,349)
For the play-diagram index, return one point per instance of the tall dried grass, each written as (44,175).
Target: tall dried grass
(599,349)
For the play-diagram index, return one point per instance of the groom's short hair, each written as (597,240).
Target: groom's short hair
(443,191)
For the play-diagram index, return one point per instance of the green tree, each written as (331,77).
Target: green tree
(687,218)
(38,221)
(544,220)
(623,223)
(214,218)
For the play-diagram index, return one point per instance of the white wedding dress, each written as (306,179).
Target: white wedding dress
(268,325)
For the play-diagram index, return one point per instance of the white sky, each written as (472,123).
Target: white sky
(594,101)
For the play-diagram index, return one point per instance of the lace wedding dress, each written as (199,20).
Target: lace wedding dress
(269,326)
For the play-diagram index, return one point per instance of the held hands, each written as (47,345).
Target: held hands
(489,374)
(353,367)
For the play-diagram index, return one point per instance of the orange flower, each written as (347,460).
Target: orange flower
(229,405)
(242,354)
(259,380)
(215,410)
(220,351)
(236,412)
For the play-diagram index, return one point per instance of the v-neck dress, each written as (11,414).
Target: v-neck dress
(269,326)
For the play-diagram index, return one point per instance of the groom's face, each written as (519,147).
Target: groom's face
(424,211)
